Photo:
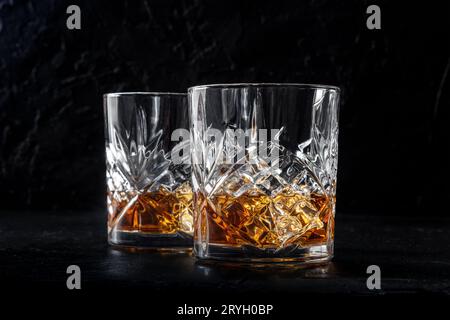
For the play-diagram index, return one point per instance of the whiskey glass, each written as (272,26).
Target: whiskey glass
(149,196)
(264,161)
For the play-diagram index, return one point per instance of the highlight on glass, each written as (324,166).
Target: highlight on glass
(149,196)
(264,161)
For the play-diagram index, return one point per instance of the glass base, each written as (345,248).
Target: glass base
(150,240)
(302,255)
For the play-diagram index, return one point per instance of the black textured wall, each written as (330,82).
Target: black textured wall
(394,109)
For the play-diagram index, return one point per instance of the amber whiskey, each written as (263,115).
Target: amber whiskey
(158,212)
(257,219)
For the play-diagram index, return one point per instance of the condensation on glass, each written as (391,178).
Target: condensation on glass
(275,201)
(149,196)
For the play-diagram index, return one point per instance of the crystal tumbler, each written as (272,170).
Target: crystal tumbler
(149,196)
(264,161)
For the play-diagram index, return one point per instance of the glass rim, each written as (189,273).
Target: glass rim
(143,93)
(264,85)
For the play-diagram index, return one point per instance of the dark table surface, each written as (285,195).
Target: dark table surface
(36,248)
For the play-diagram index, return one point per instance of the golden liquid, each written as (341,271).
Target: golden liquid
(159,212)
(256,219)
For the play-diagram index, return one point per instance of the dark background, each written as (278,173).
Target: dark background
(394,140)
